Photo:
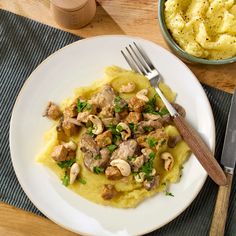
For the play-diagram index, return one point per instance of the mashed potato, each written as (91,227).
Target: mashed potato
(203,28)
(130,192)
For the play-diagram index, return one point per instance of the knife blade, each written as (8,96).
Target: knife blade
(228,156)
(228,159)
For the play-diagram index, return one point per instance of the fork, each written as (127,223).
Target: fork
(140,63)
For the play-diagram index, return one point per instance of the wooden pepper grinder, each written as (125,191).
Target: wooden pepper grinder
(73,14)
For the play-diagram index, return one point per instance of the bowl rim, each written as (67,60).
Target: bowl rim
(171,42)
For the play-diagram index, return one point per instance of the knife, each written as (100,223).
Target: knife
(228,159)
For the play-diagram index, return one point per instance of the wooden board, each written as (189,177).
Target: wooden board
(131,17)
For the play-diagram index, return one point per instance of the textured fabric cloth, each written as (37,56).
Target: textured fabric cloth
(23,45)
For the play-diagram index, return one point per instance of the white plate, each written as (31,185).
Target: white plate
(55,79)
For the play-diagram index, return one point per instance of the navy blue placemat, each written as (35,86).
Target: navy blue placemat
(24,43)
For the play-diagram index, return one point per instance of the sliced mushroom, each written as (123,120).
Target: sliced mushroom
(154,182)
(128,88)
(139,178)
(142,95)
(125,130)
(108,191)
(169,160)
(74,171)
(122,165)
(137,163)
(173,140)
(97,124)
(52,111)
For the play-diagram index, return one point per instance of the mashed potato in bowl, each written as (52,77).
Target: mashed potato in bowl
(84,155)
(205,28)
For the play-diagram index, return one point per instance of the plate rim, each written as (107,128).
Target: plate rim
(41,64)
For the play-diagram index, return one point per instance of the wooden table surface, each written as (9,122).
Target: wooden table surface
(130,17)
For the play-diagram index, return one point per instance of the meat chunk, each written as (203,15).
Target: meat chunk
(134,117)
(61,136)
(173,140)
(137,163)
(108,191)
(149,116)
(52,111)
(71,110)
(109,121)
(104,139)
(104,98)
(166,119)
(106,112)
(147,126)
(100,160)
(151,184)
(60,153)
(88,144)
(126,149)
(69,128)
(136,104)
(113,173)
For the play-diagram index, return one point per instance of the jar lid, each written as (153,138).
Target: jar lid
(69,5)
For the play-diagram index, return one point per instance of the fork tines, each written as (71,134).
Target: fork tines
(137,59)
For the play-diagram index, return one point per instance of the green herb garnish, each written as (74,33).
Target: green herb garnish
(152,155)
(98,156)
(133,127)
(111,147)
(120,104)
(66,164)
(151,142)
(66,180)
(115,134)
(150,106)
(163,112)
(83,105)
(98,170)
(147,167)
(90,131)
(119,128)
(82,181)
(169,194)
(147,128)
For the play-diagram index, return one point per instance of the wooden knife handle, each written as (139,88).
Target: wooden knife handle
(221,209)
(200,150)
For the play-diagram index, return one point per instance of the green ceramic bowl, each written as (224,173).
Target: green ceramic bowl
(176,48)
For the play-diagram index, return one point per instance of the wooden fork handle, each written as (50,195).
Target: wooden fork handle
(200,150)
(221,208)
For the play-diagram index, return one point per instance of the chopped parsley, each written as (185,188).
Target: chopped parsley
(150,106)
(120,104)
(163,112)
(90,131)
(147,128)
(169,194)
(66,164)
(133,127)
(119,128)
(151,142)
(66,180)
(111,147)
(97,157)
(115,134)
(82,181)
(98,170)
(81,106)
(152,155)
(147,167)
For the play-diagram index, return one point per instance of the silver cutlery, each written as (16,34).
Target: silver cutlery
(139,62)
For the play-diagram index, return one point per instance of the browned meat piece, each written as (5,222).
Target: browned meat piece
(149,185)
(146,152)
(110,121)
(104,139)
(122,115)
(52,111)
(147,126)
(126,149)
(69,128)
(134,117)
(71,110)
(106,112)
(149,116)
(60,153)
(108,191)
(179,109)
(88,144)
(137,163)
(166,119)
(113,173)
(104,98)
(61,136)
(83,116)
(99,160)
(173,141)
(136,104)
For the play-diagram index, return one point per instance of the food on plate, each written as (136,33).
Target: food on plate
(205,28)
(114,142)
